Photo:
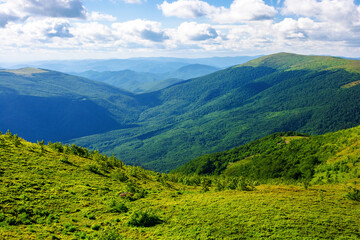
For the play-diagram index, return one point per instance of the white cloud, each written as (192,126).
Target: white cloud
(196,32)
(245,10)
(186,9)
(96,16)
(12,10)
(239,11)
(140,30)
(336,11)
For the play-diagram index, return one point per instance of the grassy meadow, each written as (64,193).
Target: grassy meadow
(67,192)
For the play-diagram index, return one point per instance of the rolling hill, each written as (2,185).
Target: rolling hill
(280,92)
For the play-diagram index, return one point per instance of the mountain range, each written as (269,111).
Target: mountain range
(140,82)
(150,65)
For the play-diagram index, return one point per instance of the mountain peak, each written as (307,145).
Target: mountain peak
(290,61)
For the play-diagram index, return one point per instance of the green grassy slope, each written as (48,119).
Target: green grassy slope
(66,192)
(281,92)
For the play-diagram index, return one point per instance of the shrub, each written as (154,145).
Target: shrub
(119,207)
(69,228)
(25,218)
(219,186)
(243,185)
(96,227)
(10,221)
(143,219)
(93,168)
(65,160)
(120,176)
(353,194)
(2,217)
(90,216)
(205,184)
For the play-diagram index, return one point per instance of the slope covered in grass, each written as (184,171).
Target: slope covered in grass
(66,192)
(281,92)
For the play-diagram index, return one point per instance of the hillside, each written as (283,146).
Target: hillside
(67,192)
(328,158)
(275,93)
(43,104)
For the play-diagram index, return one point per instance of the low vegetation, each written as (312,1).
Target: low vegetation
(48,191)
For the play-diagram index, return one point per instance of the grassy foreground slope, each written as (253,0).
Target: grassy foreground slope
(275,93)
(66,192)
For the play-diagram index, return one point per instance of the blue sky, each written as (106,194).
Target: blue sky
(82,29)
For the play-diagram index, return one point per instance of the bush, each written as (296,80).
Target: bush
(2,217)
(93,168)
(65,160)
(10,221)
(96,227)
(69,228)
(353,194)
(243,185)
(25,218)
(118,207)
(143,219)
(120,176)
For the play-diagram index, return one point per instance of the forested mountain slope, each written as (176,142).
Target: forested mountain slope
(280,92)
(42,104)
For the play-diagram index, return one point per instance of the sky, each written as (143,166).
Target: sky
(32,30)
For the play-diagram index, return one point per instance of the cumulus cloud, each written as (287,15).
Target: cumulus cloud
(54,8)
(186,9)
(337,11)
(196,32)
(12,10)
(140,30)
(239,11)
(59,30)
(245,10)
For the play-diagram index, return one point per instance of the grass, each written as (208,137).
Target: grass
(43,197)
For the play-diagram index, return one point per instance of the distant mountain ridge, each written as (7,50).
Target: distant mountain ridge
(152,65)
(140,82)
